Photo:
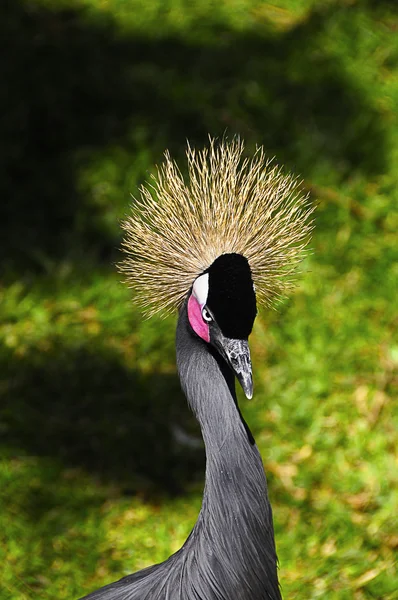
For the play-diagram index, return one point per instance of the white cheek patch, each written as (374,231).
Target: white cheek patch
(201,289)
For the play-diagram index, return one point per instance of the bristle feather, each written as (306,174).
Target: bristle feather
(229,205)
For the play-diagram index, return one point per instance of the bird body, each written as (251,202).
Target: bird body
(230,553)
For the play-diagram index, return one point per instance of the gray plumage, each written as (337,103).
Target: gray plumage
(230,235)
(230,553)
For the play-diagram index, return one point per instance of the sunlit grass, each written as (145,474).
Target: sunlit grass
(93,484)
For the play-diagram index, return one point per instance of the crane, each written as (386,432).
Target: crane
(213,247)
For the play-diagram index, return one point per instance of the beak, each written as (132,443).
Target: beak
(237,354)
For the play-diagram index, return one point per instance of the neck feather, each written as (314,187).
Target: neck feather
(235,522)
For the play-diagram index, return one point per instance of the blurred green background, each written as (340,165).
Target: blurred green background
(94,482)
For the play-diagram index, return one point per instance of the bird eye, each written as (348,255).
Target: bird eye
(206,315)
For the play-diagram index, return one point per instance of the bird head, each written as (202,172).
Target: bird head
(221,311)
(232,223)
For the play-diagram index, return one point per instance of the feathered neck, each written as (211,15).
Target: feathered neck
(233,536)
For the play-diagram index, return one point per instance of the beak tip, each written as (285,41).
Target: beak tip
(249,392)
(247,386)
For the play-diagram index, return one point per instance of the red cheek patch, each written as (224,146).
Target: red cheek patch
(196,321)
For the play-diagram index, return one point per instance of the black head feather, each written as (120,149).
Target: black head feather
(231,296)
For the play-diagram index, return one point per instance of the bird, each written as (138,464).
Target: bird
(214,245)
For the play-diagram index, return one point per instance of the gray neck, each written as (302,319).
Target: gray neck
(235,522)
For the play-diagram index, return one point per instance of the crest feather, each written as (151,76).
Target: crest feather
(228,204)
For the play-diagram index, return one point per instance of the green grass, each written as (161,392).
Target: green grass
(93,484)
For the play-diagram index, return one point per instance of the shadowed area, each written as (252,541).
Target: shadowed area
(85,408)
(74,85)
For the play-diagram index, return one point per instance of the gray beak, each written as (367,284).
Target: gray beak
(237,355)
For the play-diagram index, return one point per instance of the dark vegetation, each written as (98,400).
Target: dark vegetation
(94,481)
